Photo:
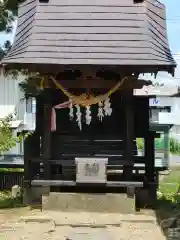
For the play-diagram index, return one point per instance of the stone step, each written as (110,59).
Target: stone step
(90,219)
(83,202)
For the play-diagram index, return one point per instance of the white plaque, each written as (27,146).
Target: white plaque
(91,170)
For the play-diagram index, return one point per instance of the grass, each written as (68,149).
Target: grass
(168,204)
(11,170)
(170,184)
(6,201)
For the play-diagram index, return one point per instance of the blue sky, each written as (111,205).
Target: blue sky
(173,23)
(173,27)
(173,30)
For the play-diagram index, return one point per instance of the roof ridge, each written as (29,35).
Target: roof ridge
(83,32)
(26,17)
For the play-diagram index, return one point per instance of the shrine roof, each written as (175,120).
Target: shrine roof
(95,32)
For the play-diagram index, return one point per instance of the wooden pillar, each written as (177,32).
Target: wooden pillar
(150,157)
(166,146)
(27,161)
(46,143)
(29,154)
(39,127)
(129,134)
(39,114)
(151,178)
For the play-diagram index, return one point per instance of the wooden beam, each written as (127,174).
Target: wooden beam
(150,157)
(129,133)
(73,183)
(101,83)
(46,143)
(27,161)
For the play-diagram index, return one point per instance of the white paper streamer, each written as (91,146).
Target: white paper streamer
(71,111)
(79,115)
(100,111)
(88,115)
(107,107)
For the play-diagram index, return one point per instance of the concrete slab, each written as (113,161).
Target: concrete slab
(78,202)
(101,226)
(88,219)
(49,225)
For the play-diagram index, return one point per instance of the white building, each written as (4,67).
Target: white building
(164,109)
(12,101)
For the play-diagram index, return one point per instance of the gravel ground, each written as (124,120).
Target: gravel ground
(81,226)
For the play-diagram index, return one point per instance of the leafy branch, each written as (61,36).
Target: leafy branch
(7,139)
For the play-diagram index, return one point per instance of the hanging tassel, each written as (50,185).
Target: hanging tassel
(100,111)
(53,113)
(88,115)
(107,107)
(71,112)
(41,84)
(53,120)
(79,115)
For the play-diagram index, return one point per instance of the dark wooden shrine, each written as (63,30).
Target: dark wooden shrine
(91,45)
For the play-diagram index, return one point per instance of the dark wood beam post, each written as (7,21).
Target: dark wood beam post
(150,157)
(166,144)
(27,162)
(39,128)
(151,181)
(29,153)
(39,114)
(129,134)
(46,143)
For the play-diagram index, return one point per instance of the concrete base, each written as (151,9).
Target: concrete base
(81,202)
(34,195)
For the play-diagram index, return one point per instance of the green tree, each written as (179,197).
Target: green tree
(7,140)
(8,13)
(4,49)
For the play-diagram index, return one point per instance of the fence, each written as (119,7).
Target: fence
(9,179)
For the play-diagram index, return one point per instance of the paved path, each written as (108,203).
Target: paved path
(174,161)
(80,226)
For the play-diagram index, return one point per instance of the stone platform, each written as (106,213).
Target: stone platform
(58,225)
(83,202)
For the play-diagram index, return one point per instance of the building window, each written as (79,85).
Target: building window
(30,105)
(21,147)
(154,115)
(154,112)
(177,129)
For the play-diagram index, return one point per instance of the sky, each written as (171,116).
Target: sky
(173,30)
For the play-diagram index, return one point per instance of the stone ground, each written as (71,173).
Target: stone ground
(22,224)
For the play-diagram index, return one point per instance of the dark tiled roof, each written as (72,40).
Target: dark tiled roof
(98,32)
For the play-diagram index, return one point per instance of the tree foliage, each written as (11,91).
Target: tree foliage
(7,140)
(4,49)
(30,85)
(8,13)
